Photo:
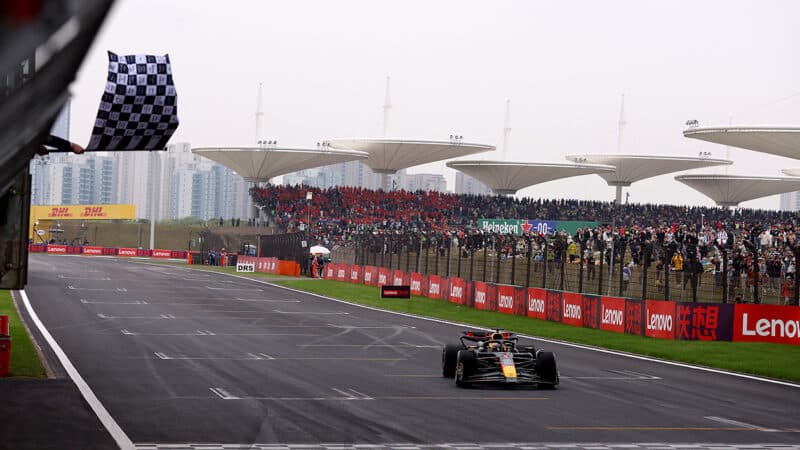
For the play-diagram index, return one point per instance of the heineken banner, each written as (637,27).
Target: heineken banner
(518,226)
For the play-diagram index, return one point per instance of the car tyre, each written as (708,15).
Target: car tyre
(546,369)
(449,356)
(465,367)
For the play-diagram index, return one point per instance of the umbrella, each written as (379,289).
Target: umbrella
(319,250)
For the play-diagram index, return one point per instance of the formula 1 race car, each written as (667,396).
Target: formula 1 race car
(493,357)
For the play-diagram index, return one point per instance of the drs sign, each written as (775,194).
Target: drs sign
(245,267)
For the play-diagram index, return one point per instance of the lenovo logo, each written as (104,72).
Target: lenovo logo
(381,279)
(572,311)
(415,285)
(367,277)
(536,305)
(457,292)
(480,297)
(659,322)
(435,288)
(611,316)
(771,328)
(506,301)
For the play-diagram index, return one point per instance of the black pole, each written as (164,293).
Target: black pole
(756,273)
(724,276)
(449,243)
(458,266)
(438,244)
(485,257)
(796,293)
(497,262)
(648,250)
(667,264)
(544,260)
(513,260)
(471,263)
(580,264)
(600,274)
(528,271)
(427,257)
(563,258)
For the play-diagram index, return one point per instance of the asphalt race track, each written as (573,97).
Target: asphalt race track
(180,356)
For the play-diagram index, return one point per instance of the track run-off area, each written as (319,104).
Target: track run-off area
(183,358)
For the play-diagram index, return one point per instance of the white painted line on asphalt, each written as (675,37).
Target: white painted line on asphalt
(192,333)
(94,302)
(233,289)
(162,316)
(333,325)
(223,394)
(736,423)
(334,313)
(265,300)
(119,436)
(553,341)
(266,356)
(69,286)
(421,346)
(64,277)
(635,375)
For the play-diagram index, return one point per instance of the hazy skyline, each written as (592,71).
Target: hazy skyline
(453,64)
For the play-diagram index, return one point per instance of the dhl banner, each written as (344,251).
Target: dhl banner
(77,212)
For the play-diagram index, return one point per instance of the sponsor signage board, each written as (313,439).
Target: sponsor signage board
(766,323)
(704,322)
(591,311)
(245,267)
(480,300)
(659,319)
(396,291)
(59,249)
(505,299)
(126,252)
(537,299)
(92,250)
(612,314)
(572,309)
(161,253)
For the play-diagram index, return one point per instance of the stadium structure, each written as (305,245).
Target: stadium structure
(633,168)
(774,140)
(730,190)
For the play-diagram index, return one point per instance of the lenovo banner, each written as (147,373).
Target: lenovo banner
(553,305)
(383,276)
(571,311)
(612,314)
(458,290)
(355,274)
(342,272)
(479,295)
(371,275)
(704,322)
(161,253)
(434,286)
(61,249)
(659,319)
(416,283)
(591,311)
(766,323)
(126,252)
(505,299)
(536,303)
(400,277)
(92,250)
(330,273)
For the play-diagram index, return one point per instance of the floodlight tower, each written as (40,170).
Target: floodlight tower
(507,131)
(259,139)
(387,109)
(620,130)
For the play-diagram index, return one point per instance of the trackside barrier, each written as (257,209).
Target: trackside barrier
(652,318)
(91,250)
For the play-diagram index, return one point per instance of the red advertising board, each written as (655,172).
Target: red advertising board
(355,274)
(590,310)
(434,286)
(537,299)
(342,272)
(766,323)
(371,275)
(505,299)
(458,290)
(161,253)
(480,295)
(571,310)
(330,272)
(399,278)
(383,276)
(659,319)
(87,250)
(704,322)
(553,306)
(126,252)
(60,249)
(634,317)
(416,283)
(612,314)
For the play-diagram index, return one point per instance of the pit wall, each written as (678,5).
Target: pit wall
(652,318)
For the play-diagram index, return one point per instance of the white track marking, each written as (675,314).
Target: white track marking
(69,286)
(267,357)
(223,394)
(119,436)
(335,313)
(193,333)
(98,302)
(233,289)
(552,341)
(421,345)
(64,277)
(162,316)
(736,423)
(351,327)
(265,300)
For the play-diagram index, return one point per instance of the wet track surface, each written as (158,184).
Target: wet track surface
(181,356)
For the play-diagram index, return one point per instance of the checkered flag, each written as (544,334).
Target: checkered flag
(138,110)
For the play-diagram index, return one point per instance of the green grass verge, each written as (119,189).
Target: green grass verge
(24,358)
(770,360)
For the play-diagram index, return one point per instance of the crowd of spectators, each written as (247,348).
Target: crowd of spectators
(683,239)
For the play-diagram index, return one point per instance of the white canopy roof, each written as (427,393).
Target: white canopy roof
(775,140)
(390,155)
(792,172)
(507,177)
(258,164)
(633,168)
(730,190)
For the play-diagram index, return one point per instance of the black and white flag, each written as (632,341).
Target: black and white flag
(138,110)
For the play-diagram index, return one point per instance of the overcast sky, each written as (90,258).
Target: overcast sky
(453,64)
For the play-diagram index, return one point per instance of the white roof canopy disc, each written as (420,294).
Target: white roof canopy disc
(507,177)
(775,140)
(730,190)
(258,164)
(391,155)
(633,168)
